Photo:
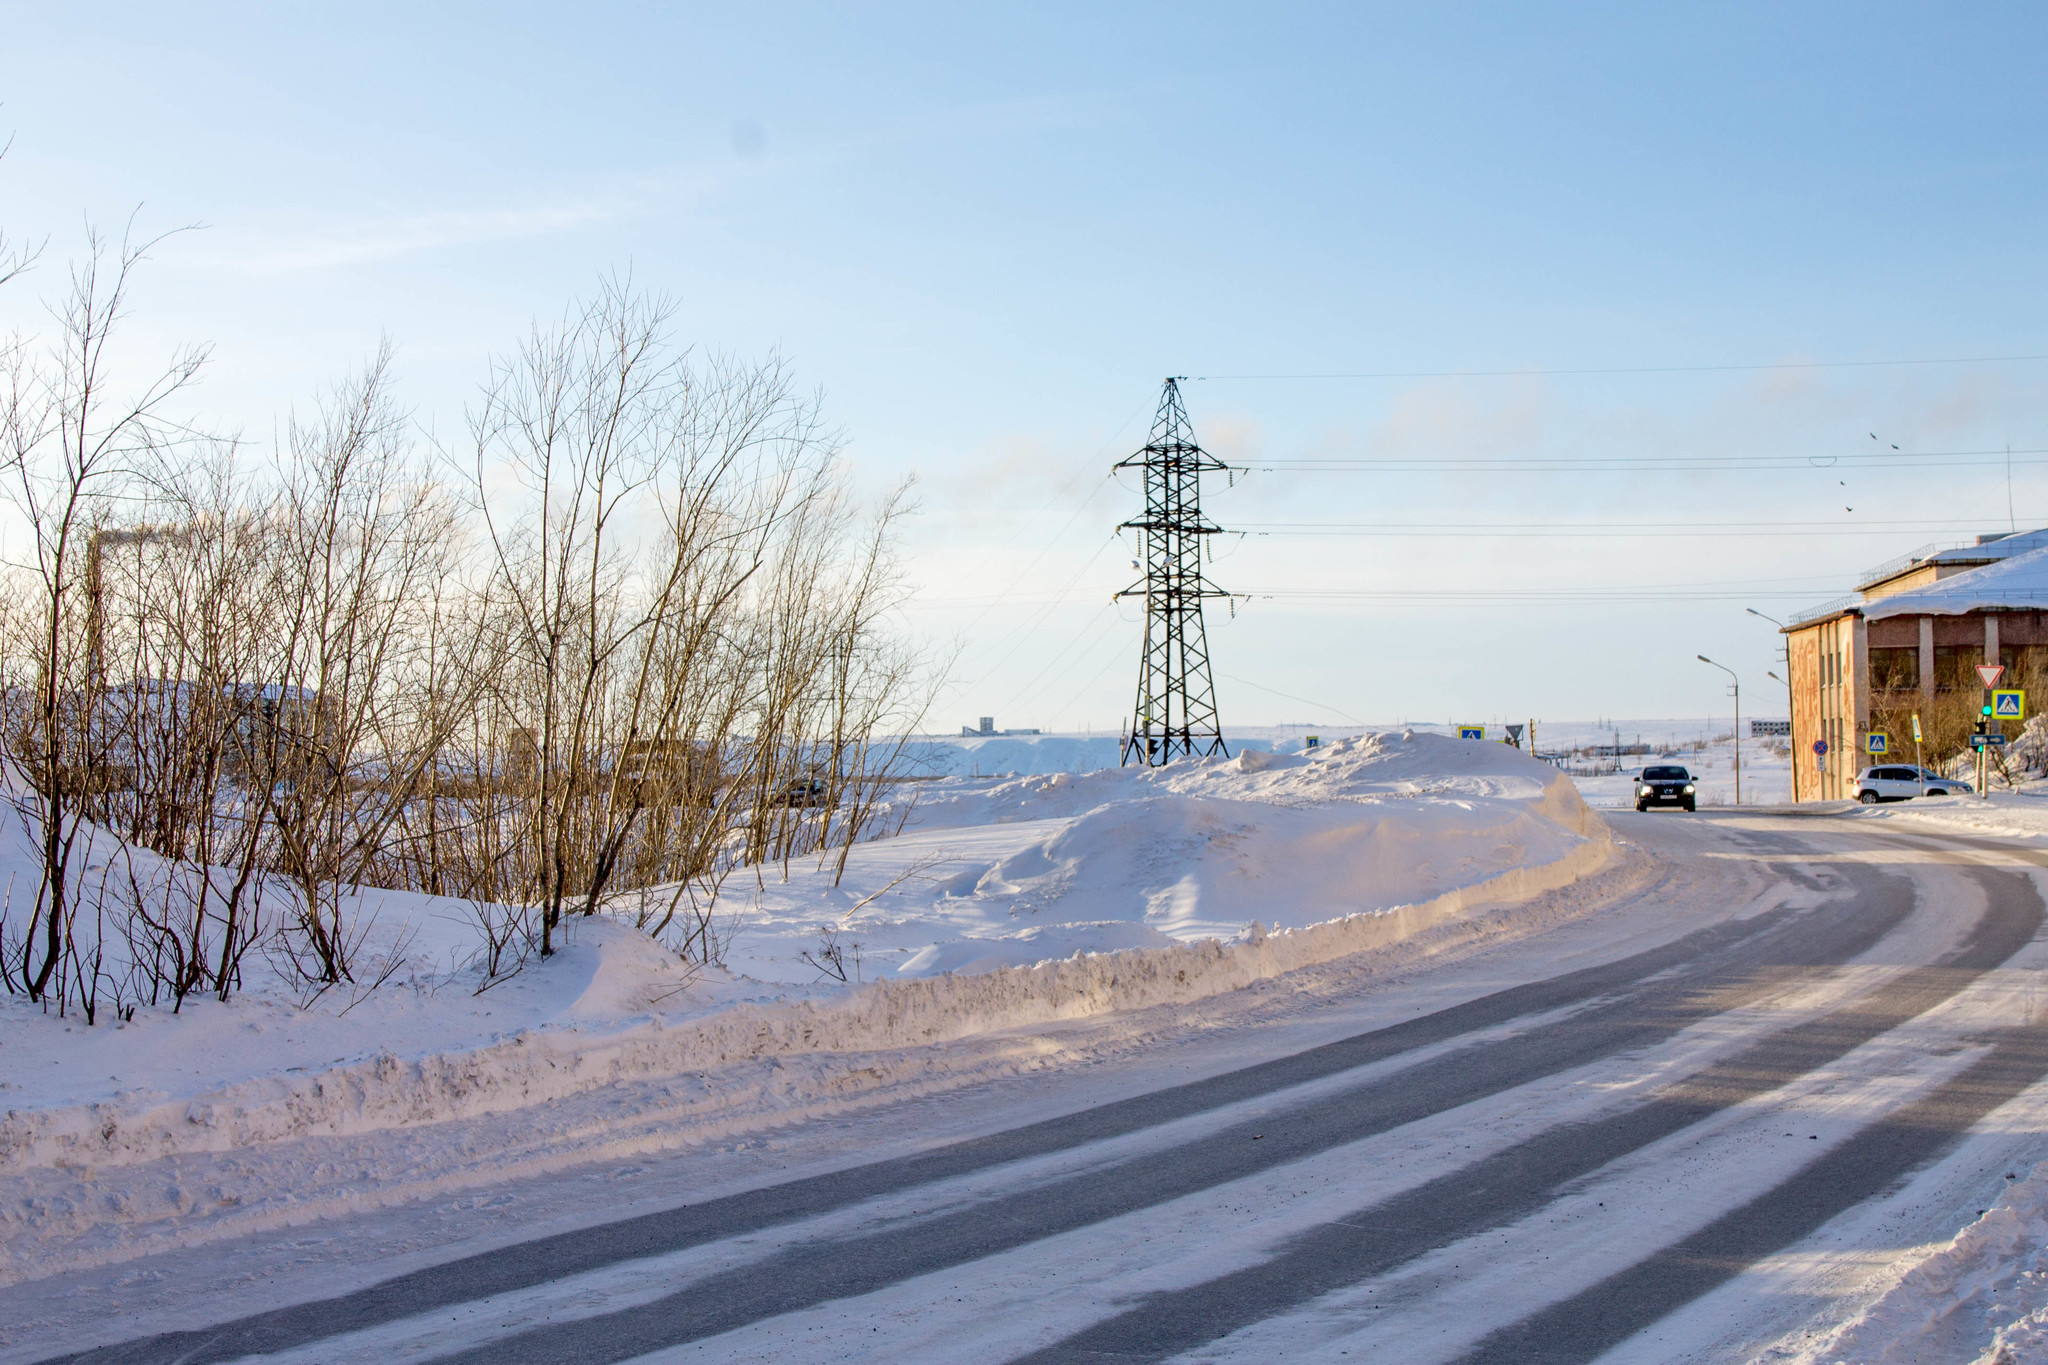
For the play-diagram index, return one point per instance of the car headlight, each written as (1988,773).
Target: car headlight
(1688,789)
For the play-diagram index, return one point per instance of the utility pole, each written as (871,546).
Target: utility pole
(1735,687)
(1793,753)
(1791,745)
(1175,715)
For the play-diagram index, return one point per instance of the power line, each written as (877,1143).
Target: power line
(1562,533)
(1889,525)
(1581,464)
(1059,598)
(1798,589)
(1095,628)
(1671,593)
(1075,478)
(1528,373)
(1320,706)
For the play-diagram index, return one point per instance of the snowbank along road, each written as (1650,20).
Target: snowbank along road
(1711,1113)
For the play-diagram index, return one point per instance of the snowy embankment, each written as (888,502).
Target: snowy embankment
(2021,814)
(1983,1298)
(1003,904)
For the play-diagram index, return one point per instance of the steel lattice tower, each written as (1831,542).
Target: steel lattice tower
(1176,711)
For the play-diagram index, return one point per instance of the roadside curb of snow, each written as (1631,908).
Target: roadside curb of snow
(537,1067)
(1992,1277)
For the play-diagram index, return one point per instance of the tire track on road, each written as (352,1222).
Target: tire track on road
(814,1272)
(1516,1183)
(1656,993)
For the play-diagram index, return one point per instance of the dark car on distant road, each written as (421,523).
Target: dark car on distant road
(1664,785)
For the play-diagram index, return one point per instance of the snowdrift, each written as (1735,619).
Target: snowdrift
(1003,904)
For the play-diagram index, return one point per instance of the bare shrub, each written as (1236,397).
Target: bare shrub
(690,632)
(641,646)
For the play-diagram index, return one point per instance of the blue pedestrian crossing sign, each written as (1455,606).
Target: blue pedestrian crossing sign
(2009,703)
(1471,732)
(1876,744)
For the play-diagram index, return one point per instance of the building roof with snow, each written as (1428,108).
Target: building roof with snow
(1923,569)
(1928,562)
(2015,583)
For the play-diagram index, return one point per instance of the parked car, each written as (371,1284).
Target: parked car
(800,792)
(1903,782)
(1665,784)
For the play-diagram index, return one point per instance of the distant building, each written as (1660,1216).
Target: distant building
(1907,643)
(987,729)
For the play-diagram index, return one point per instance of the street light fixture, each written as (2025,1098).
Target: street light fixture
(1735,685)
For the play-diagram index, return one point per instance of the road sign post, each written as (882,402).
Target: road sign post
(1919,771)
(1990,673)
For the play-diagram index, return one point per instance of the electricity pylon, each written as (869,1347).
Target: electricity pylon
(1176,711)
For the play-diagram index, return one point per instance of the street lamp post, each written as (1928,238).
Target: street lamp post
(1735,685)
(1791,746)
(1791,753)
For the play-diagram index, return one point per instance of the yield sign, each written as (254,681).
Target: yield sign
(1989,673)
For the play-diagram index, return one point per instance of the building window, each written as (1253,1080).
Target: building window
(1894,670)
(1955,666)
(2024,664)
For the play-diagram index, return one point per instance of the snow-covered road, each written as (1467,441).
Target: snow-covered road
(1707,1120)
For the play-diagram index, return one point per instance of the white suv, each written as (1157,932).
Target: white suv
(1902,783)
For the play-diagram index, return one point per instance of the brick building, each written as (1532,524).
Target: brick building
(1910,639)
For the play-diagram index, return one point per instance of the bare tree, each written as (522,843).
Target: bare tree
(72,433)
(629,667)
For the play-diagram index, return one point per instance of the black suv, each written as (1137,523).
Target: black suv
(1664,786)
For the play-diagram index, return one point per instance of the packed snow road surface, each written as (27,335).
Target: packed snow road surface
(1710,1119)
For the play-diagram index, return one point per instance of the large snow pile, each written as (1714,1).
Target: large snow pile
(1003,903)
(1012,872)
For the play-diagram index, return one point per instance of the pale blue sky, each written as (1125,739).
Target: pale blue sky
(987,232)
